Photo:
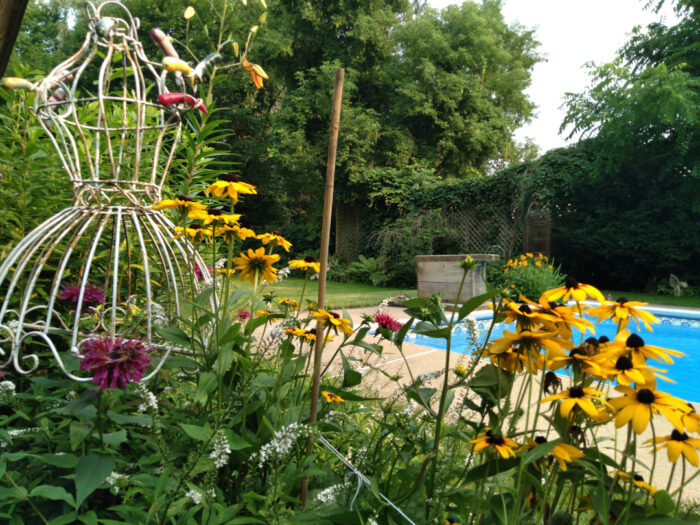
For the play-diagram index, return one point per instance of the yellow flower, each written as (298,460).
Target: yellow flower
(529,339)
(637,406)
(230,186)
(276,239)
(679,443)
(526,360)
(257,262)
(306,264)
(309,335)
(193,231)
(215,216)
(625,372)
(227,273)
(180,203)
(573,289)
(562,452)
(461,370)
(691,420)
(637,480)
(503,446)
(330,397)
(284,301)
(231,233)
(256,72)
(640,352)
(525,315)
(577,396)
(333,320)
(621,311)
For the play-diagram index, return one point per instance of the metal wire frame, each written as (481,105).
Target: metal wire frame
(117,145)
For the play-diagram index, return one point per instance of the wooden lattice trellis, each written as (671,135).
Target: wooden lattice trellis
(348,232)
(538,229)
(495,231)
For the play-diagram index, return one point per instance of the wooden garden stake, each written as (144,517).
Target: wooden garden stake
(325,241)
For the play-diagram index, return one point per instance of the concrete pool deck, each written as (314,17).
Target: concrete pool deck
(421,360)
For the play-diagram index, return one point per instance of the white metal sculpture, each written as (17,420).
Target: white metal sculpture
(77,274)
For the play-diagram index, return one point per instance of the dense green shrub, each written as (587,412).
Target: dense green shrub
(529,275)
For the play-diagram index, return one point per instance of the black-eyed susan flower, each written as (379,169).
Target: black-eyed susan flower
(575,290)
(578,359)
(306,264)
(679,443)
(625,372)
(226,272)
(230,233)
(639,351)
(637,480)
(691,420)
(256,263)
(503,446)
(194,231)
(288,303)
(275,238)
(578,396)
(330,397)
(563,453)
(637,406)
(525,316)
(525,360)
(621,311)
(531,339)
(181,203)
(333,320)
(230,185)
(214,216)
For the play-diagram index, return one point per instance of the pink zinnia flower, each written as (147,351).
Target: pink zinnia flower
(114,363)
(93,295)
(387,322)
(243,314)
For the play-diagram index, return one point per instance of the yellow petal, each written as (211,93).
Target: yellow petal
(189,12)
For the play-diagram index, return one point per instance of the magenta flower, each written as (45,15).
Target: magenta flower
(243,314)
(114,363)
(387,322)
(93,296)
(198,272)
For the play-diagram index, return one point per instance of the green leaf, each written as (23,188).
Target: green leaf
(207,384)
(59,460)
(663,504)
(89,518)
(115,439)
(235,441)
(126,419)
(197,432)
(539,451)
(491,467)
(53,493)
(91,471)
(173,334)
(350,377)
(401,333)
(473,303)
(78,433)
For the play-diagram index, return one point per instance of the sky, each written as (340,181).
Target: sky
(571,33)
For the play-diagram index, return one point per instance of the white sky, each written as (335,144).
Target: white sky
(571,33)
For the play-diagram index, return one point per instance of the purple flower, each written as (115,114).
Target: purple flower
(243,314)
(93,296)
(114,363)
(387,322)
(198,271)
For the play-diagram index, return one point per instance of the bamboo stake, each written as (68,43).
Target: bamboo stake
(325,241)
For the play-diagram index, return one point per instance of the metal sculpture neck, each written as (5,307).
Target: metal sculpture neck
(100,109)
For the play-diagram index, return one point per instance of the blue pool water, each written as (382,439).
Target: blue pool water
(679,330)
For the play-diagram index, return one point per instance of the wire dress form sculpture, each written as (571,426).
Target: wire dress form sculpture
(102,265)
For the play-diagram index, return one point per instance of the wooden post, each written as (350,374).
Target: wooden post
(325,242)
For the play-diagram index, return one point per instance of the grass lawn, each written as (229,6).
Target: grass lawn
(338,295)
(651,298)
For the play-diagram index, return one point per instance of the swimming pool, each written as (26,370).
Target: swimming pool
(676,329)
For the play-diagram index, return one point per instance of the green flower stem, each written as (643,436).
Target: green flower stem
(301,297)
(26,498)
(443,394)
(100,422)
(228,262)
(680,489)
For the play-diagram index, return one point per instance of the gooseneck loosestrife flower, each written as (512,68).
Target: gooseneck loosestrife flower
(114,363)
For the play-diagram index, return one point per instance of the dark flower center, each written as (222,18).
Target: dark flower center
(592,341)
(495,440)
(637,477)
(524,308)
(577,351)
(571,282)
(540,439)
(634,341)
(623,363)
(576,392)
(311,331)
(692,407)
(622,300)
(677,436)
(646,396)
(603,339)
(309,259)
(214,211)
(195,226)
(335,315)
(230,177)
(184,198)
(276,232)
